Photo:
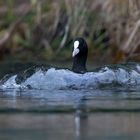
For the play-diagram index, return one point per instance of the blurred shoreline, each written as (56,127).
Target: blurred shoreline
(44,30)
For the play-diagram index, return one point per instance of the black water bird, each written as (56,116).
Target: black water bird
(79,54)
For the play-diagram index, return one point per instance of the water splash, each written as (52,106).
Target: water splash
(108,76)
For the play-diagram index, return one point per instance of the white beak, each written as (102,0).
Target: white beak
(76,49)
(75,52)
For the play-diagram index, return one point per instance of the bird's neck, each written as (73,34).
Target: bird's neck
(79,64)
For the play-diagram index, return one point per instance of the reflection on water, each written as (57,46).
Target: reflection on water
(81,120)
(62,126)
(64,114)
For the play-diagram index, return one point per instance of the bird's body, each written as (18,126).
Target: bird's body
(79,55)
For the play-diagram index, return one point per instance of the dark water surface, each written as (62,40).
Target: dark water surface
(105,113)
(79,115)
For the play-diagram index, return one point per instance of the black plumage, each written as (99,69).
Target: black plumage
(80,53)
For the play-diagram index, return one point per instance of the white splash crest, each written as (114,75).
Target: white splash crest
(10,83)
(65,79)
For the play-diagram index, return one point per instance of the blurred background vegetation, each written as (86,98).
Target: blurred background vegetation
(40,30)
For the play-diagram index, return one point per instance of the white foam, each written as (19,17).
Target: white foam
(10,83)
(59,79)
(46,80)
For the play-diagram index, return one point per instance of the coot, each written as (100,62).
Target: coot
(79,54)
